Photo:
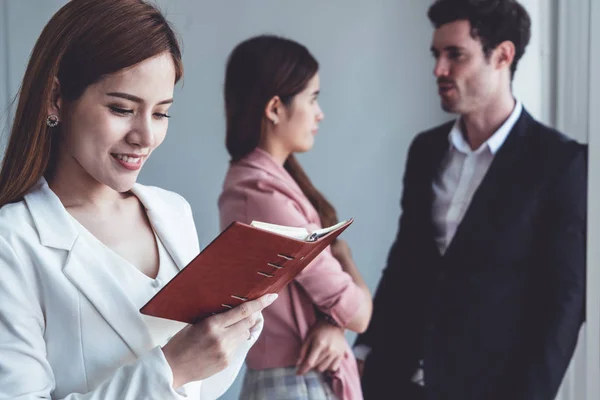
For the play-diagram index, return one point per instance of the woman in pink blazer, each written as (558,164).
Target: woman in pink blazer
(271,89)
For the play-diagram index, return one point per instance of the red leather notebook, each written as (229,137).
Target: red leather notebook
(241,264)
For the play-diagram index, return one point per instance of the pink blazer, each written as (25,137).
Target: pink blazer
(258,188)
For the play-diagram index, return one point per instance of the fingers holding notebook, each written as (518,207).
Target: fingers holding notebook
(232,318)
(205,348)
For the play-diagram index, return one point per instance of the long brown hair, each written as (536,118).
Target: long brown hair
(259,69)
(84,41)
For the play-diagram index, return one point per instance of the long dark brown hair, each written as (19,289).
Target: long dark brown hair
(84,41)
(259,69)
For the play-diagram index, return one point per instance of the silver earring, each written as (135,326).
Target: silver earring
(52,120)
(275,122)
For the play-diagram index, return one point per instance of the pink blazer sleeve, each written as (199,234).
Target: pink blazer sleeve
(330,288)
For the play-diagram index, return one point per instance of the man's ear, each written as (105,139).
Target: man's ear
(504,54)
(273,110)
(55,105)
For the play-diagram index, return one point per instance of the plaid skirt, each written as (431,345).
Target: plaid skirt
(284,384)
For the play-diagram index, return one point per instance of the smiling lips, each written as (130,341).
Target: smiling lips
(132,162)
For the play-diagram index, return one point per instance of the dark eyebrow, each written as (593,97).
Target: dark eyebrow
(447,48)
(316,93)
(135,99)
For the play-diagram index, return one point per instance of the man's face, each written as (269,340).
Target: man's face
(466,79)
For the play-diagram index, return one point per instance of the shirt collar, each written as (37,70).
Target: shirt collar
(458,141)
(262,160)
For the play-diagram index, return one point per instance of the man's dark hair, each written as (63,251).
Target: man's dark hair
(492,22)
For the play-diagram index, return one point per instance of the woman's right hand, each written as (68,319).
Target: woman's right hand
(323,349)
(201,350)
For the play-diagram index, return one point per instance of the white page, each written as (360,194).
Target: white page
(289,231)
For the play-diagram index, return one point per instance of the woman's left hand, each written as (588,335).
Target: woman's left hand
(323,350)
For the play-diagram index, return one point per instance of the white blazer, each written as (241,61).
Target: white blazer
(67,330)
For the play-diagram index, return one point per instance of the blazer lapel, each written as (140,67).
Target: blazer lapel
(252,167)
(86,271)
(104,292)
(502,178)
(437,150)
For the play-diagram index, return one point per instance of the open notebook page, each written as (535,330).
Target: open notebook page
(296,233)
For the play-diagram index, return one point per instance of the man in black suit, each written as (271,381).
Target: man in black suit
(483,294)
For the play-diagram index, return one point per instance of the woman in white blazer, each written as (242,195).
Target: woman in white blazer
(82,246)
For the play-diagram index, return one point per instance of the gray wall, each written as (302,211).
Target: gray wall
(377,93)
(4,76)
(593,288)
(21,22)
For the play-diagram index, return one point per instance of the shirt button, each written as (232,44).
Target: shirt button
(156,283)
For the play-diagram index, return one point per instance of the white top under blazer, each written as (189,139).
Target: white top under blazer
(69,327)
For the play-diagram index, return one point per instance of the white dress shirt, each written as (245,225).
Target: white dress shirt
(459,176)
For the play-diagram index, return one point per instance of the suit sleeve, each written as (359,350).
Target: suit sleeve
(560,285)
(387,289)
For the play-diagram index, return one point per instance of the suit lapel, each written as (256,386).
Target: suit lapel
(501,178)
(436,150)
(92,278)
(85,269)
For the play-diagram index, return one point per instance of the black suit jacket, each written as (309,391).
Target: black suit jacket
(498,315)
